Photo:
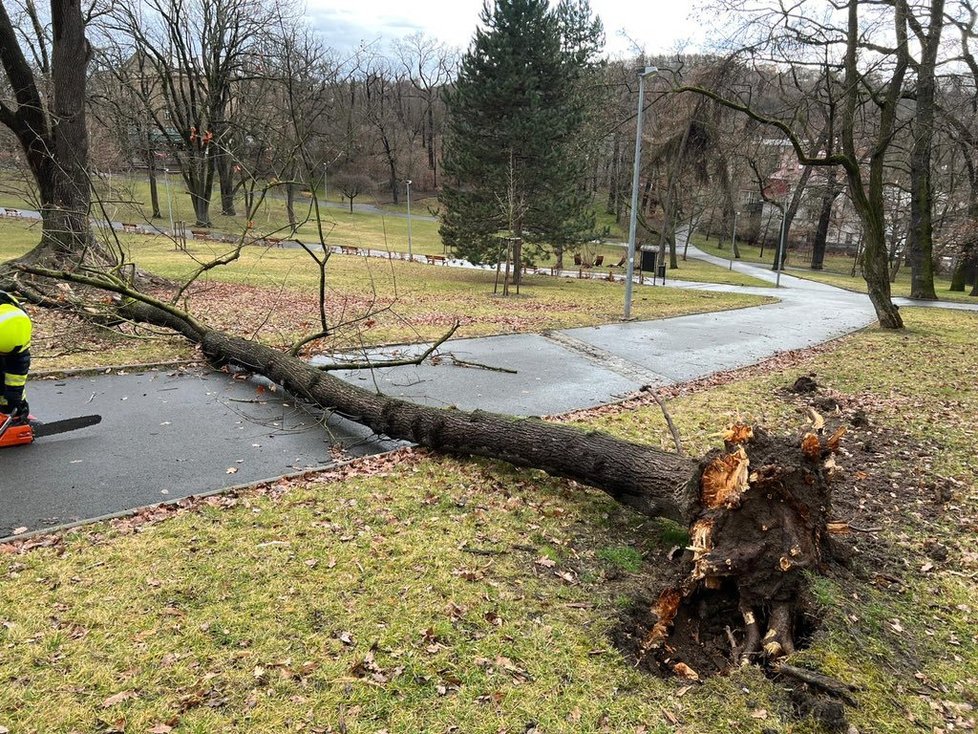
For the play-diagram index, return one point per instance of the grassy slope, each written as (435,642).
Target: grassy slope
(837,271)
(275,291)
(355,605)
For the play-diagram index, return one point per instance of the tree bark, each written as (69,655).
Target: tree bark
(224,174)
(921,197)
(829,196)
(789,217)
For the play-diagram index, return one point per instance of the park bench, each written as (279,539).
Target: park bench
(436,259)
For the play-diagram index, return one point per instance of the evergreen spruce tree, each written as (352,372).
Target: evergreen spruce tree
(512,160)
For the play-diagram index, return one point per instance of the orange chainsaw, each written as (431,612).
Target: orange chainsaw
(15,432)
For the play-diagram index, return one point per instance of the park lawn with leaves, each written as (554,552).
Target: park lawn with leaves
(126,199)
(417,593)
(273,292)
(837,270)
(63,342)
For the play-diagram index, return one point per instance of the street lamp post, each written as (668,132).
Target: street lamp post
(733,240)
(410,251)
(632,221)
(325,190)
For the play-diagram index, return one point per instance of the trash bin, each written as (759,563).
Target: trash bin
(662,272)
(649,257)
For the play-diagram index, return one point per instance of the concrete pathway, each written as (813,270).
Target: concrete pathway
(583,367)
(164,436)
(168,435)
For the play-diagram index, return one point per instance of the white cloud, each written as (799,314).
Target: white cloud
(659,26)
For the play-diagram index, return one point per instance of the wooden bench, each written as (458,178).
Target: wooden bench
(347,250)
(129,227)
(200,234)
(436,259)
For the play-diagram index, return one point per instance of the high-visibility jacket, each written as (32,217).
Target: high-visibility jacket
(15,349)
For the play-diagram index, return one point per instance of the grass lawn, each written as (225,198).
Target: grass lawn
(425,594)
(126,199)
(837,270)
(274,293)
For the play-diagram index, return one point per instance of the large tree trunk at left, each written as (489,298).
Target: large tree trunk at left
(54,137)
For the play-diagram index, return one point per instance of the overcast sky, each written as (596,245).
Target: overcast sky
(657,26)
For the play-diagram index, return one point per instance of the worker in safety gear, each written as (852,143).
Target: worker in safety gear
(15,356)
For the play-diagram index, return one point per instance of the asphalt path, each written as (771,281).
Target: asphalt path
(169,435)
(164,436)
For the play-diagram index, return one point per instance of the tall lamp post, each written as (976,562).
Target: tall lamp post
(632,221)
(410,251)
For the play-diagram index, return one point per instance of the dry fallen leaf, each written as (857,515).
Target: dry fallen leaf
(545,562)
(232,470)
(685,672)
(117,698)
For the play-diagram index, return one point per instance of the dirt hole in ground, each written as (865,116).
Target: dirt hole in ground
(700,640)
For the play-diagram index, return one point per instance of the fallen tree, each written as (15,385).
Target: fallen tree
(757,511)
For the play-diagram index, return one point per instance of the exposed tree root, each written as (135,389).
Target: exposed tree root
(823,683)
(760,524)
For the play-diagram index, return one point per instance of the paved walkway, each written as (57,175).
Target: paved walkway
(170,435)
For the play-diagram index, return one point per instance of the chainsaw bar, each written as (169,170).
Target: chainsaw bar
(69,424)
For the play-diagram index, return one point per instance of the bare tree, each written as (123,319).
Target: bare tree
(865,83)
(195,55)
(429,66)
(43,105)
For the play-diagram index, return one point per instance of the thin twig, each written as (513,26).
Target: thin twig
(478,365)
(672,426)
(368,365)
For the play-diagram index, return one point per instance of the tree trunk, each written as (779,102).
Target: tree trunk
(824,219)
(224,176)
(53,134)
(614,183)
(154,193)
(290,202)
(921,196)
(789,217)
(432,158)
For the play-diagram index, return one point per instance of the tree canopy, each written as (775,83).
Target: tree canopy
(515,114)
